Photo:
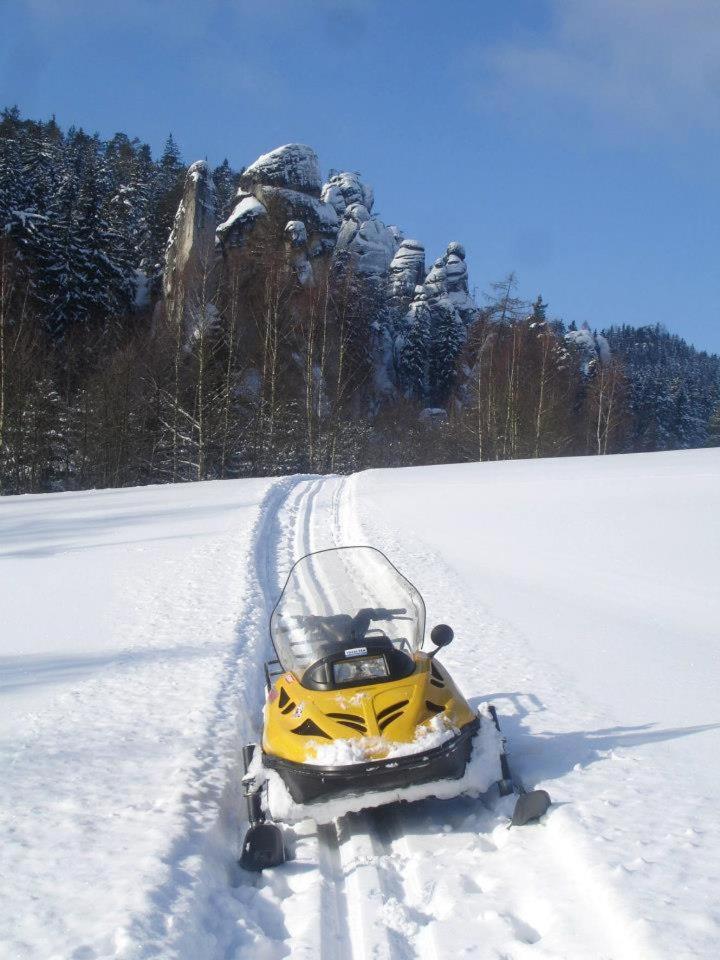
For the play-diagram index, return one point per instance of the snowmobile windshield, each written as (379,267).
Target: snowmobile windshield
(340,598)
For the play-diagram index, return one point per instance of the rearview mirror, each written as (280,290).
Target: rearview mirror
(441,635)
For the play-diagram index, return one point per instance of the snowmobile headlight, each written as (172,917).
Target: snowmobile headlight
(359,669)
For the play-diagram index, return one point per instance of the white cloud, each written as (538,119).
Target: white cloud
(650,63)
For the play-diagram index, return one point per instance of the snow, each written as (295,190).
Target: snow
(293,165)
(585,591)
(199,171)
(407,268)
(112,646)
(345,188)
(342,752)
(481,773)
(584,601)
(371,242)
(245,212)
(296,232)
(141,298)
(591,346)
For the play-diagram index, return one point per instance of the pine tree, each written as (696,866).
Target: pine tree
(126,210)
(225,180)
(105,265)
(412,352)
(539,312)
(140,219)
(713,435)
(447,337)
(165,194)
(84,275)
(11,193)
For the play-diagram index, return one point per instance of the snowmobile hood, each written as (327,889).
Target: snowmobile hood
(368,721)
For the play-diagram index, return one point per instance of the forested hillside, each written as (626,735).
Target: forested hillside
(160,322)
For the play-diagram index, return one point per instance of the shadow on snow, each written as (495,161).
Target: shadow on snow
(548,755)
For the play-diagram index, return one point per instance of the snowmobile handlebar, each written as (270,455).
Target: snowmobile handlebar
(369,613)
(384,613)
(363,618)
(342,628)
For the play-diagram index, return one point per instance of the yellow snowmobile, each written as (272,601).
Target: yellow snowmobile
(356,711)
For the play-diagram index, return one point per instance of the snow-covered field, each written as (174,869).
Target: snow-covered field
(585,603)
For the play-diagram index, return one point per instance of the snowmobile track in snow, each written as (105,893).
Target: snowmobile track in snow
(347,854)
(389,884)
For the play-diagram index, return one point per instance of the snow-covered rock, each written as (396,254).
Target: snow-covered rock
(456,281)
(435,284)
(192,239)
(407,269)
(319,218)
(335,218)
(296,238)
(435,325)
(343,189)
(591,347)
(294,166)
(246,212)
(371,243)
(433,415)
(284,183)
(448,279)
(296,233)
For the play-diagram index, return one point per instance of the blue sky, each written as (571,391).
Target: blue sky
(573,142)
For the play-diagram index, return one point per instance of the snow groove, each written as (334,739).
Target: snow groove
(335,939)
(346,854)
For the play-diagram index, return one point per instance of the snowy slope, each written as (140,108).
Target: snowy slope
(583,596)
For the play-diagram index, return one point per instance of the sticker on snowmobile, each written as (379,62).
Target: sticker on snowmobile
(356,652)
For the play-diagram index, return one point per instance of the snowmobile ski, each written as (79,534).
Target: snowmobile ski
(531,804)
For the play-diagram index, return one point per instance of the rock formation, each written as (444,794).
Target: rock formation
(367,240)
(344,189)
(361,235)
(434,329)
(294,167)
(287,183)
(192,240)
(446,285)
(296,240)
(336,219)
(591,347)
(407,271)
(449,278)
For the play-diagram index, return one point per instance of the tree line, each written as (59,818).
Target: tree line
(249,372)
